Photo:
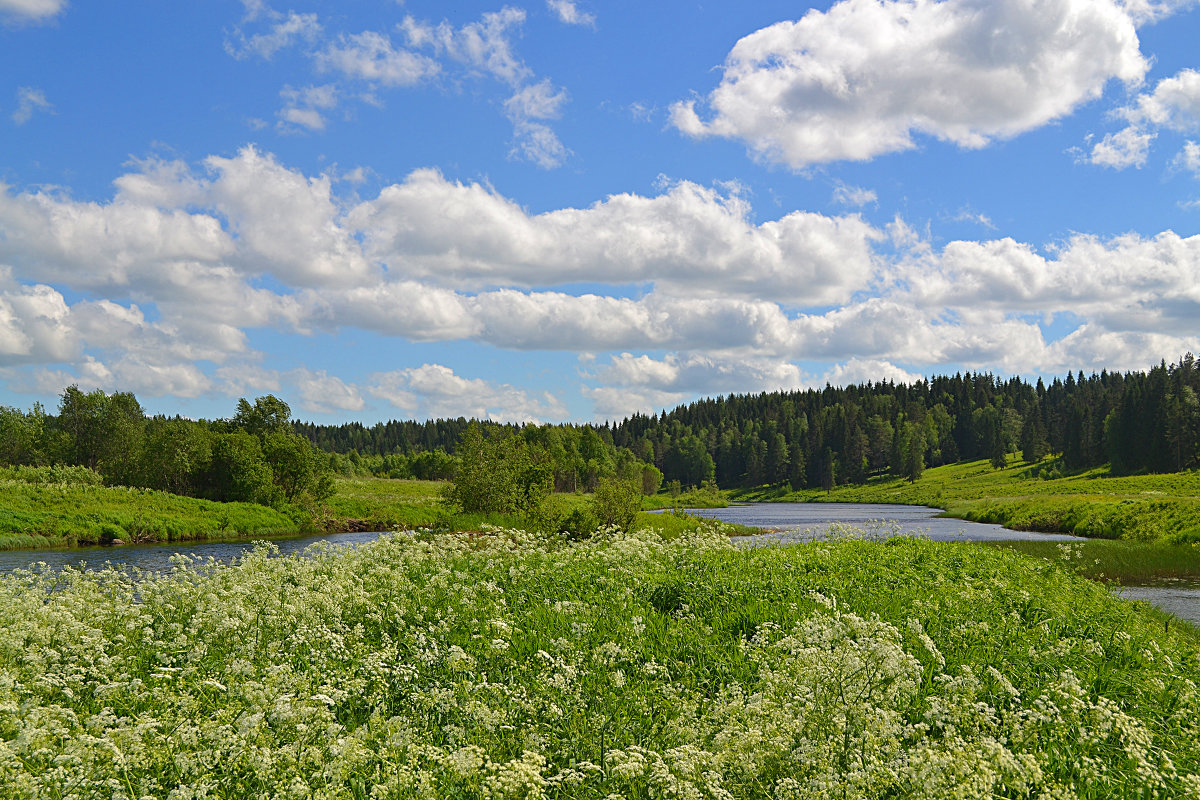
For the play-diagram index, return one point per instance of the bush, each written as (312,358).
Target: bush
(617,502)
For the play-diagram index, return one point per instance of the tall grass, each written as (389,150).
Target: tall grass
(508,666)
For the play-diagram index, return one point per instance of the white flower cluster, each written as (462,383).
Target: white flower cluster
(506,666)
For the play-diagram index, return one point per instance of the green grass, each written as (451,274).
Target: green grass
(704,497)
(1123,562)
(1093,504)
(50,514)
(57,515)
(508,666)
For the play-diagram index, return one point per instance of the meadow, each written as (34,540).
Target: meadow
(74,512)
(68,506)
(1036,498)
(504,665)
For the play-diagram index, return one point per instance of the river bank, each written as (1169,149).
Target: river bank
(1026,497)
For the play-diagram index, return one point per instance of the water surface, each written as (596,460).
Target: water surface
(803,522)
(157,557)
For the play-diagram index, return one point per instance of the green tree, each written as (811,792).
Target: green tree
(102,432)
(296,468)
(175,455)
(912,451)
(23,436)
(269,414)
(617,502)
(498,474)
(238,471)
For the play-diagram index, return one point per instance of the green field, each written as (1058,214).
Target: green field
(58,515)
(1093,504)
(77,511)
(507,666)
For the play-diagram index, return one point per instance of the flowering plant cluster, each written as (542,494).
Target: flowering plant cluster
(508,665)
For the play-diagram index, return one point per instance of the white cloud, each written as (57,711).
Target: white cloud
(1174,104)
(619,402)
(245,379)
(855,196)
(31,10)
(35,326)
(287,30)
(304,106)
(434,391)
(568,13)
(861,79)
(370,56)
(860,371)
(698,373)
(538,144)
(534,141)
(182,263)
(29,101)
(482,45)
(1189,158)
(322,393)
(541,100)
(691,239)
(285,223)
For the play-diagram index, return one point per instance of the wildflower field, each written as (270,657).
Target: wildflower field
(504,665)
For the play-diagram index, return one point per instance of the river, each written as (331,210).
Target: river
(787,523)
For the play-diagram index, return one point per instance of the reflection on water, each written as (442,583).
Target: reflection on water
(156,557)
(802,522)
(1182,601)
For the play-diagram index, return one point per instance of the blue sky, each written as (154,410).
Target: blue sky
(571,211)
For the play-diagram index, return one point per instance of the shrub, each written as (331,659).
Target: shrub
(617,502)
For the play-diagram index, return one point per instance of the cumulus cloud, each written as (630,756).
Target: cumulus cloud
(434,391)
(1174,104)
(619,402)
(29,101)
(35,326)
(184,260)
(693,238)
(698,373)
(31,10)
(860,371)
(863,78)
(1189,158)
(322,393)
(568,13)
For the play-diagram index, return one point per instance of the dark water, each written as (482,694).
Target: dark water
(803,522)
(156,557)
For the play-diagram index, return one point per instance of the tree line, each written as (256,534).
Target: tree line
(254,456)
(1135,421)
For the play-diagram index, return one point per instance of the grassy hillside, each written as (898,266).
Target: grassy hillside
(60,515)
(503,666)
(1094,504)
